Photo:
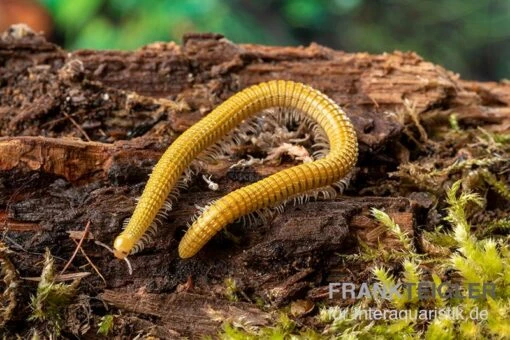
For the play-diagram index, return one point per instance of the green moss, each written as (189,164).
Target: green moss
(499,225)
(454,123)
(105,326)
(395,229)
(465,260)
(441,328)
(499,186)
(231,289)
(51,298)
(284,328)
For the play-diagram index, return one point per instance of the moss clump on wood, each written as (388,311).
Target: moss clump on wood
(51,298)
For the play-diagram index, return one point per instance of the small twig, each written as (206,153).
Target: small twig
(59,278)
(90,261)
(78,234)
(57,120)
(77,126)
(85,232)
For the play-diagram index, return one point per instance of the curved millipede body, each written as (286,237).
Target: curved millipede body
(267,192)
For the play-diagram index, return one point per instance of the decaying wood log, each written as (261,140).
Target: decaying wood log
(187,313)
(80,132)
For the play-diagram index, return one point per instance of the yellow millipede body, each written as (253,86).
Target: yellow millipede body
(265,193)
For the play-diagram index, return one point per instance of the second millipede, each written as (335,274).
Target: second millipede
(265,193)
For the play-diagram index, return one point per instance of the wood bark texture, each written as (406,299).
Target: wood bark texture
(80,132)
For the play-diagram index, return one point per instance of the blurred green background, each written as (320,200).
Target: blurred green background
(466,36)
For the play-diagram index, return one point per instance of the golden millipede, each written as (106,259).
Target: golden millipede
(265,193)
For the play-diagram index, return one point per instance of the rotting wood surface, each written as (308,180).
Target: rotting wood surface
(80,132)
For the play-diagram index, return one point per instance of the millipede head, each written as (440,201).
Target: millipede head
(122,246)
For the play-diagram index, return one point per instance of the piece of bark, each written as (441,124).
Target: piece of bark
(83,160)
(359,82)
